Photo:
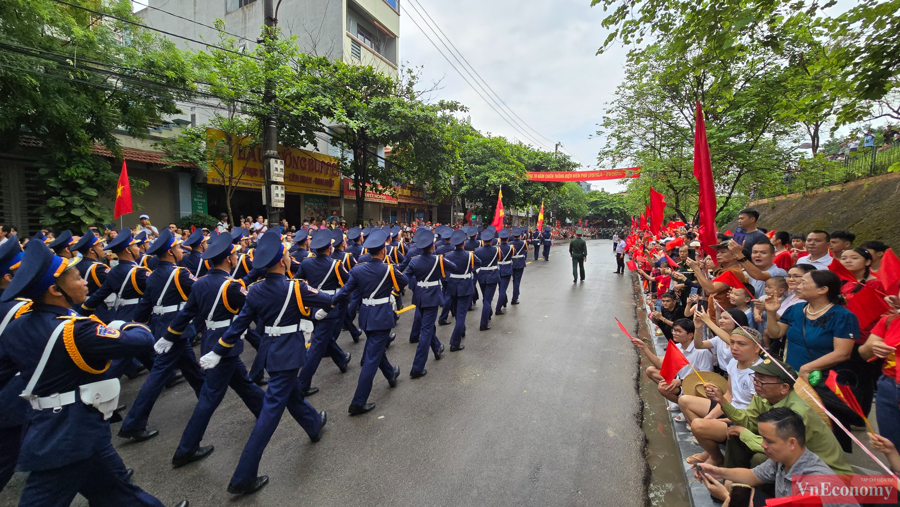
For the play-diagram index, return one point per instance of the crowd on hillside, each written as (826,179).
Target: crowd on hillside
(867,141)
(773,323)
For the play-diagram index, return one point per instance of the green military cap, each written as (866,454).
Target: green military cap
(771,367)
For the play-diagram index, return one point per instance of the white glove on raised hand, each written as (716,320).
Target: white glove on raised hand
(210,360)
(162,346)
(321,314)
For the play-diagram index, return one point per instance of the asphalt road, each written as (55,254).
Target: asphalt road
(540,410)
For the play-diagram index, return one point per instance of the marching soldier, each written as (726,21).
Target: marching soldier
(327,274)
(536,241)
(301,245)
(215,299)
(354,248)
(488,276)
(94,271)
(61,244)
(460,286)
(197,243)
(279,306)
(66,358)
(546,237)
(444,248)
(146,260)
(505,262)
(376,280)
(429,272)
(347,260)
(520,259)
(168,288)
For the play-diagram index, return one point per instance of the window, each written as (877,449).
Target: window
(244,3)
(355,50)
(368,39)
(233,5)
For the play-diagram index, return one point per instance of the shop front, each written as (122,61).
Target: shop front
(374,204)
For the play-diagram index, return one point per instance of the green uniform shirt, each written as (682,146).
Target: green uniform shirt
(819,438)
(578,248)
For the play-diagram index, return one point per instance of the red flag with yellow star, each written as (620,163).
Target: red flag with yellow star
(123,194)
(498,212)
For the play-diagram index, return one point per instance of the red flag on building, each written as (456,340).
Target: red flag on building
(703,172)
(540,221)
(657,209)
(123,194)
(889,274)
(498,213)
(672,362)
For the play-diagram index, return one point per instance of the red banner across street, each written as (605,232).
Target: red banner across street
(609,174)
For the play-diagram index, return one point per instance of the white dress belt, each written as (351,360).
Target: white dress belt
(492,268)
(129,302)
(55,401)
(504,263)
(376,302)
(329,292)
(518,256)
(434,283)
(280,330)
(467,275)
(217,324)
(162,310)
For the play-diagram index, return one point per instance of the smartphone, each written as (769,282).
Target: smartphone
(692,253)
(740,495)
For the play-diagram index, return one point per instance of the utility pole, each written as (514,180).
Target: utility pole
(271,198)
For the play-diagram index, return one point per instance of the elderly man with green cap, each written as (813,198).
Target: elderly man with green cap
(578,253)
(774,385)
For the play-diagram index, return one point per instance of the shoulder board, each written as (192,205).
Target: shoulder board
(254,283)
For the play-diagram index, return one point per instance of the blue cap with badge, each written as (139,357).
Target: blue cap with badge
(353,234)
(88,240)
(375,241)
(301,235)
(395,231)
(63,241)
(164,243)
(10,255)
(337,237)
(195,239)
(458,237)
(471,231)
(423,238)
(121,242)
(269,250)
(487,235)
(504,234)
(238,234)
(365,232)
(218,249)
(140,238)
(321,240)
(37,272)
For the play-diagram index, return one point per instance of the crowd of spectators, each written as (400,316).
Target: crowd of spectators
(770,317)
(865,141)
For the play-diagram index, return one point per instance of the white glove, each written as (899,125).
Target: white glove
(210,360)
(162,346)
(321,314)
(116,324)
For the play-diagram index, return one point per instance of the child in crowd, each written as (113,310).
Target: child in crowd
(683,336)
(721,342)
(742,300)
(776,287)
(663,281)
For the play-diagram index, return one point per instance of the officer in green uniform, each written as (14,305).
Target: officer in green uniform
(578,253)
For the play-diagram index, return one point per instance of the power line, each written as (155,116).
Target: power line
(135,23)
(479,75)
(517,129)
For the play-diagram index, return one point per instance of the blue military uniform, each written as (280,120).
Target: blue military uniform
(67,445)
(193,261)
(376,280)
(429,271)
(505,261)
(347,260)
(94,273)
(214,301)
(444,248)
(546,238)
(327,275)
(536,241)
(460,286)
(520,260)
(278,305)
(354,248)
(168,288)
(488,276)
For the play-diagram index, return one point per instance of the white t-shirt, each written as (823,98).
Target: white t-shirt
(258,227)
(820,263)
(788,302)
(760,285)
(702,359)
(741,381)
(722,351)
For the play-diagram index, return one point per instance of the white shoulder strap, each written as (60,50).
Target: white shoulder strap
(437,261)
(469,264)
(9,315)
(328,274)
(386,273)
(43,362)
(212,311)
(236,268)
(124,284)
(166,288)
(287,300)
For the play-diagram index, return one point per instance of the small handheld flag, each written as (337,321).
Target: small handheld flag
(631,265)
(624,330)
(672,363)
(846,395)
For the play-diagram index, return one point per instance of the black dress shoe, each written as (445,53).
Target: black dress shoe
(344,366)
(360,409)
(393,382)
(310,391)
(184,459)
(183,503)
(139,435)
(251,488)
(463,334)
(175,380)
(318,436)
(129,473)
(515,302)
(443,323)
(484,328)
(454,348)
(355,337)
(117,414)
(136,373)
(500,312)
(418,374)
(391,339)
(439,354)
(413,340)
(261,381)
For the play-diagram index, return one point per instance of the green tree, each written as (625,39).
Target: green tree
(68,80)
(570,202)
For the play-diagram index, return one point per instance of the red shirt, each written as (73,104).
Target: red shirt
(784,260)
(849,288)
(889,331)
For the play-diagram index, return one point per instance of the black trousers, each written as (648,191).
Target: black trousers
(620,263)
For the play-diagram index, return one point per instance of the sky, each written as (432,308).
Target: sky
(539,57)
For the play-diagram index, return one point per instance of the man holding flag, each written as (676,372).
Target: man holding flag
(537,240)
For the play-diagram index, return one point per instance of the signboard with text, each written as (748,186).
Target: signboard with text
(198,199)
(350,193)
(610,174)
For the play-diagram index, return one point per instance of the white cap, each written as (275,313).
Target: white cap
(145,216)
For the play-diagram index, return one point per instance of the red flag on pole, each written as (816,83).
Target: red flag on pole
(657,209)
(672,362)
(123,194)
(631,265)
(623,329)
(703,172)
(643,223)
(846,395)
(843,273)
(731,280)
(889,274)
(672,264)
(498,213)
(540,221)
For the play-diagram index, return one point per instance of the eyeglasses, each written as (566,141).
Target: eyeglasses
(757,382)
